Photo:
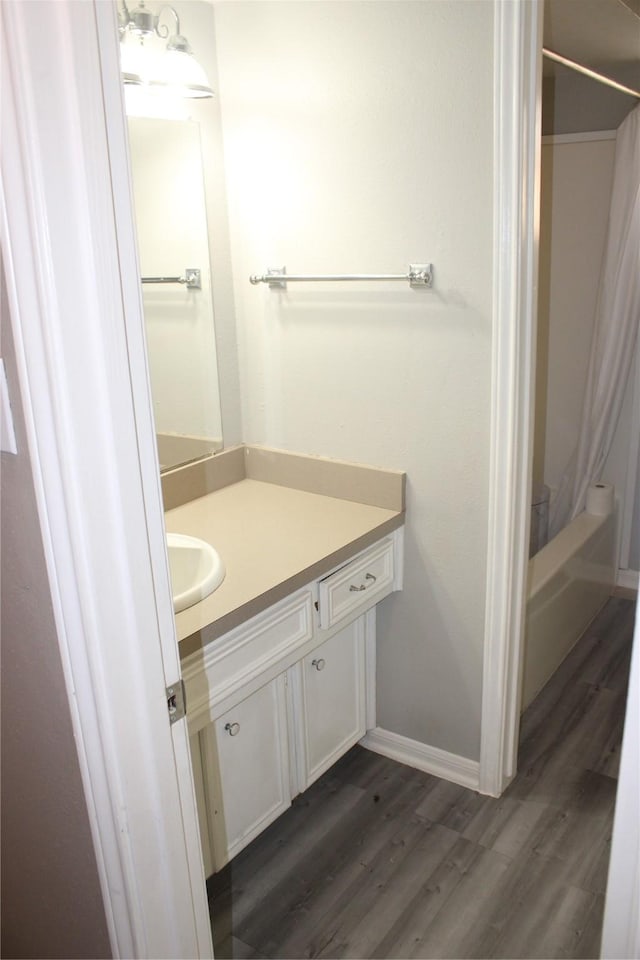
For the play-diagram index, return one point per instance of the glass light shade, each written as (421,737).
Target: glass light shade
(138,61)
(162,70)
(182,73)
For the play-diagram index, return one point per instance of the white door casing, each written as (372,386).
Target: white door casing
(621,921)
(517,116)
(69,252)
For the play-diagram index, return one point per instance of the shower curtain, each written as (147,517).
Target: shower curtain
(615,332)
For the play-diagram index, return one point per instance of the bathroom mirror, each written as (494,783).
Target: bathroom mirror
(171,220)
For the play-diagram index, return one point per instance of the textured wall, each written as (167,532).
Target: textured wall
(358,138)
(51,899)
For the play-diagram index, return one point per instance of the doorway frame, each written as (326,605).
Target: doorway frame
(68,246)
(517,144)
(78,320)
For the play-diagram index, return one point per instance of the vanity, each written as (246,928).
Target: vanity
(279,662)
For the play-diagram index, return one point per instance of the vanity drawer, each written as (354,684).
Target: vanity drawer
(244,654)
(358,585)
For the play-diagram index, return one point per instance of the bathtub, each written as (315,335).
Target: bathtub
(570,579)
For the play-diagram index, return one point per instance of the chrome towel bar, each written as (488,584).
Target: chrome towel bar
(191,279)
(418,275)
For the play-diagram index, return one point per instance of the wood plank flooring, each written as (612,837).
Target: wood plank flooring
(379,860)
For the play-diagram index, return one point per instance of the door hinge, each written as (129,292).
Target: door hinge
(176,701)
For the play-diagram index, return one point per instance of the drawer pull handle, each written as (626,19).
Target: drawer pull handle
(318,664)
(233,729)
(363,586)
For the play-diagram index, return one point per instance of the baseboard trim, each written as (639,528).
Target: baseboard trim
(440,763)
(628,579)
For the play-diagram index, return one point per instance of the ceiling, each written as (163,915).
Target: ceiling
(603,35)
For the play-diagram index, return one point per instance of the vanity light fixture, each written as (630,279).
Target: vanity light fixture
(171,68)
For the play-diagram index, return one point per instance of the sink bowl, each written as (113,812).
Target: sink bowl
(196,570)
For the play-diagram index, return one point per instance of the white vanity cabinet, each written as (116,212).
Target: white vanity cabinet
(275,702)
(245,767)
(331,714)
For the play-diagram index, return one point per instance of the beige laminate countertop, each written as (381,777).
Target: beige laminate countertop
(273,540)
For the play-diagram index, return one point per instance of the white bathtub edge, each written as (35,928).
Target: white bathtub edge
(548,561)
(570,580)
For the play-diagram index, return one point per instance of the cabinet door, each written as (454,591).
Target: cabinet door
(245,756)
(333,701)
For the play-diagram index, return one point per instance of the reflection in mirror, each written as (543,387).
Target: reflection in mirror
(166,164)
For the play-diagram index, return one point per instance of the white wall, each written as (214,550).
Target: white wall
(358,138)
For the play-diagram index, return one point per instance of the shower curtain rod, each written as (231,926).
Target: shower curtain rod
(600,77)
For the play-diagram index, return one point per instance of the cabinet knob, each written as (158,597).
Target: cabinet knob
(363,586)
(318,664)
(232,729)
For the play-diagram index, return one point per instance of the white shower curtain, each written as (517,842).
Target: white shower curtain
(615,330)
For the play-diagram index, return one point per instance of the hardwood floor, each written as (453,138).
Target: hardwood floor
(379,860)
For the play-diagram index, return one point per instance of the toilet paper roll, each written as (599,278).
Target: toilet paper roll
(600,499)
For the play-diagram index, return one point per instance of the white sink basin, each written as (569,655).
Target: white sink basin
(196,570)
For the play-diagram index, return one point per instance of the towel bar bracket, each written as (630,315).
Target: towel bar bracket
(421,274)
(192,279)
